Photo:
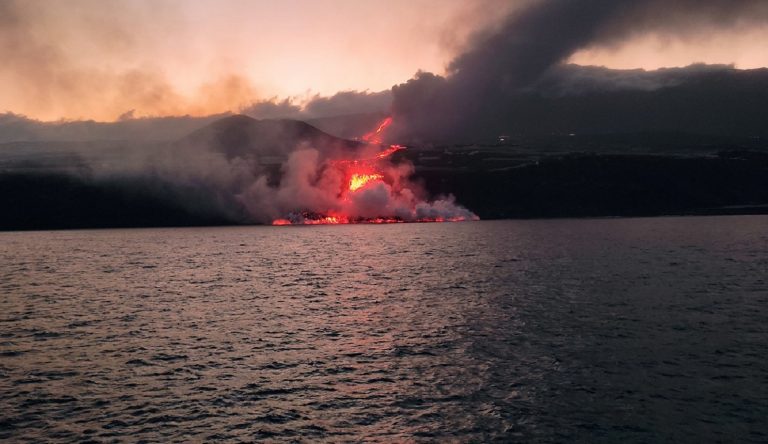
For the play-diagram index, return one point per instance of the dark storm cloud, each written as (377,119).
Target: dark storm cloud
(501,65)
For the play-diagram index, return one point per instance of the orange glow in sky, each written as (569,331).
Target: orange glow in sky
(99,59)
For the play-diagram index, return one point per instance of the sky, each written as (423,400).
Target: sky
(111,59)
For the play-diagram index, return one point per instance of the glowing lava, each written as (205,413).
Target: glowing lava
(389,151)
(396,200)
(359,180)
(375,136)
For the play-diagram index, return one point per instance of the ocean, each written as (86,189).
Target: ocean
(588,330)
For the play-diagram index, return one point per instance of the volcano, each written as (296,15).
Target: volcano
(240,136)
(359,186)
(236,170)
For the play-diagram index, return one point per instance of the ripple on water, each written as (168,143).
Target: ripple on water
(583,330)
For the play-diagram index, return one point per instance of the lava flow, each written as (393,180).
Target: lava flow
(357,180)
(369,188)
(375,136)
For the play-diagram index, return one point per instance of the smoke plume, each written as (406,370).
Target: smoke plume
(313,189)
(485,81)
(251,171)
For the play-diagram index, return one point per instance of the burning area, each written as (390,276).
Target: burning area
(366,187)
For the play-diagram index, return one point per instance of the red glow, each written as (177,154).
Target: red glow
(358,173)
(358,180)
(375,136)
(343,220)
(327,220)
(389,151)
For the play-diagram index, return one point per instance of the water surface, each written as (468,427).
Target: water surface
(636,330)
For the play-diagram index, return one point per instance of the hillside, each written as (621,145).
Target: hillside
(243,136)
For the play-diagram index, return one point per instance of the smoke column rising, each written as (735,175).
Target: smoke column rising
(366,187)
(253,171)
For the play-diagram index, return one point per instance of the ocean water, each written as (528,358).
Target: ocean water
(611,330)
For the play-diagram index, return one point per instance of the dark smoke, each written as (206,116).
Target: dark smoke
(487,80)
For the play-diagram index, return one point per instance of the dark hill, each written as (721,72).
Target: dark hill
(243,136)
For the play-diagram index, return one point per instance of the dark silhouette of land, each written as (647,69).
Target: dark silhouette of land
(638,174)
(593,185)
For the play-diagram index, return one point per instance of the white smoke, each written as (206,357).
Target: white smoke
(312,184)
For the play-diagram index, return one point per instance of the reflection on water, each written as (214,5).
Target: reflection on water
(594,330)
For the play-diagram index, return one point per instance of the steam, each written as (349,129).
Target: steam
(316,186)
(250,171)
(338,186)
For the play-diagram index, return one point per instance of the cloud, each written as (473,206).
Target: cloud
(98,59)
(507,61)
(86,59)
(349,102)
(569,80)
(273,109)
(339,104)
(129,125)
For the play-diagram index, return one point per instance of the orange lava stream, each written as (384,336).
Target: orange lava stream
(389,151)
(360,173)
(375,136)
(358,180)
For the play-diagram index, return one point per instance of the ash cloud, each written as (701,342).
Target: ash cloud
(505,66)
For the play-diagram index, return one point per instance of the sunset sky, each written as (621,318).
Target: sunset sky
(96,59)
